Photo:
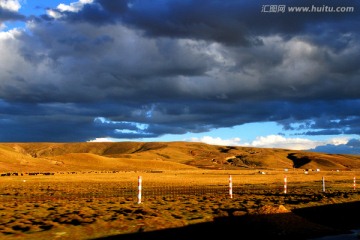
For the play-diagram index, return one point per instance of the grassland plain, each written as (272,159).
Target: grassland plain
(92,192)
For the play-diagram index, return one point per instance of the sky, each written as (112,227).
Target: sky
(265,73)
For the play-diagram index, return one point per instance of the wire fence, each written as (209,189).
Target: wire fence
(21,191)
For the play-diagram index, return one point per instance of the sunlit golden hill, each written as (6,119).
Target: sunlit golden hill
(160,156)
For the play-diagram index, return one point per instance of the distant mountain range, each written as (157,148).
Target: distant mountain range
(149,156)
(351,147)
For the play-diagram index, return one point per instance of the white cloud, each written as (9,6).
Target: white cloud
(278,141)
(9,35)
(53,14)
(272,141)
(2,26)
(103,140)
(338,141)
(217,141)
(11,5)
(72,7)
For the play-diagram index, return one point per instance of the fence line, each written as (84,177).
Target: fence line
(22,191)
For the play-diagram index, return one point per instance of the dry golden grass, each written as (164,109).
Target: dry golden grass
(93,192)
(94,205)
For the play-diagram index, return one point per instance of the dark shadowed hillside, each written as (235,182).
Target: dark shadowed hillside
(132,156)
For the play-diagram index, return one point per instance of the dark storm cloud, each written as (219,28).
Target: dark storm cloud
(232,22)
(8,15)
(133,69)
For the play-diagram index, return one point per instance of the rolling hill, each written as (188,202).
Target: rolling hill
(150,156)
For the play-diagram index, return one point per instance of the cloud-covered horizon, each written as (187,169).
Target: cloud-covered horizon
(332,145)
(143,69)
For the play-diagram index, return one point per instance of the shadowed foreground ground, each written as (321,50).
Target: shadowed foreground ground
(302,223)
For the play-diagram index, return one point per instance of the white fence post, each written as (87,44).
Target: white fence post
(285,184)
(139,189)
(230,187)
(354,183)
(323,184)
